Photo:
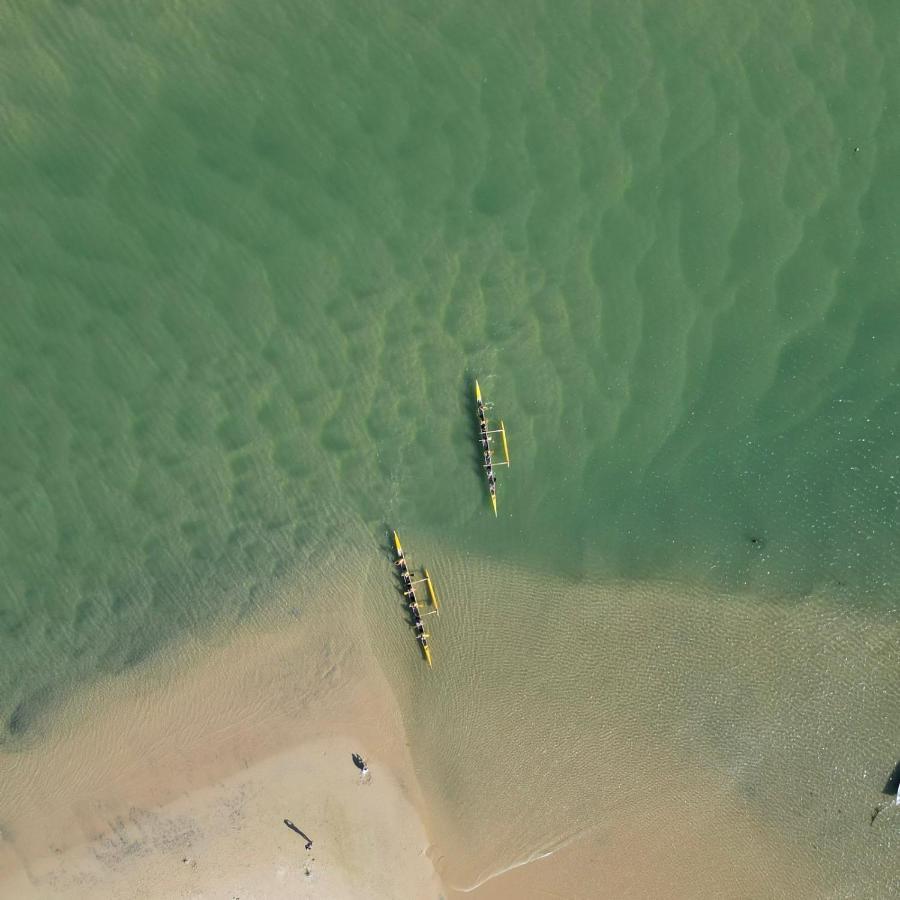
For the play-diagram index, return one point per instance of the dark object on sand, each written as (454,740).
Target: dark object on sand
(360,764)
(892,789)
(305,837)
(892,785)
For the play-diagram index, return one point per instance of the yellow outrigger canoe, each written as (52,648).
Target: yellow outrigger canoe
(489,464)
(400,561)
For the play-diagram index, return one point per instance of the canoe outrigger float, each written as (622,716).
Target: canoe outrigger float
(409,592)
(481,410)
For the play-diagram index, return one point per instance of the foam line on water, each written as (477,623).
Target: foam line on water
(535,856)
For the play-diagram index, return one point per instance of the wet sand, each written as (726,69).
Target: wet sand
(628,740)
(668,846)
(181,789)
(684,752)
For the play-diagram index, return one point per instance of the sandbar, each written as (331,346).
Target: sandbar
(175,780)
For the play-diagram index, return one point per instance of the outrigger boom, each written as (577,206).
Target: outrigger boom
(501,430)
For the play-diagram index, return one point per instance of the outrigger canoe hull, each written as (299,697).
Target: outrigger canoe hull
(432,596)
(479,403)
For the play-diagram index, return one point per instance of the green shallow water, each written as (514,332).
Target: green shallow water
(254,255)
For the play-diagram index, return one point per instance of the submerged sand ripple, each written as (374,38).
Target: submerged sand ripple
(252,257)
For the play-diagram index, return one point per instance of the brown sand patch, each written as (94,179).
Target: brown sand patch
(177,781)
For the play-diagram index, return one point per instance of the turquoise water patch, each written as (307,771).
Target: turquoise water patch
(254,257)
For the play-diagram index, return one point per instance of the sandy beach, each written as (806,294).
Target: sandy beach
(175,778)
(181,789)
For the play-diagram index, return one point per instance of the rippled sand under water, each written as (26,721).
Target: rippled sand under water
(654,734)
(253,256)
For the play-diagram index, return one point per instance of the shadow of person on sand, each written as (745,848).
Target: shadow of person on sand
(892,789)
(295,829)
